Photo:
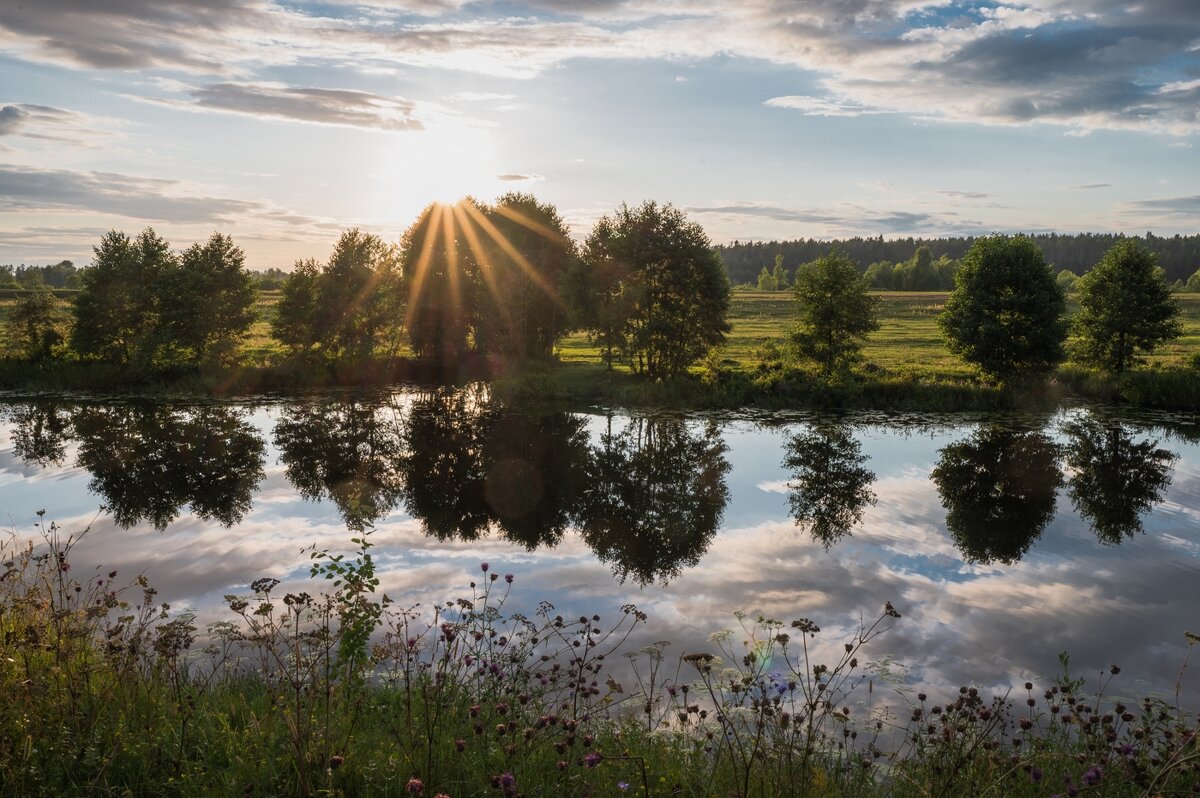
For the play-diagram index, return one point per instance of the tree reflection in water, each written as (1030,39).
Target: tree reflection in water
(1114,480)
(347,451)
(998,487)
(655,496)
(41,430)
(148,460)
(829,488)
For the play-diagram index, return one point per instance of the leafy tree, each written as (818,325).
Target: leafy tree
(1125,308)
(349,308)
(767,281)
(439,276)
(836,312)
(1192,286)
(35,325)
(1114,480)
(1067,280)
(206,302)
(999,488)
(829,488)
(1005,314)
(524,252)
(116,310)
(670,286)
(779,274)
(879,275)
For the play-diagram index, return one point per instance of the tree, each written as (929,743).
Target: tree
(206,302)
(1067,280)
(1005,314)
(670,287)
(1125,308)
(829,487)
(836,312)
(438,269)
(117,307)
(767,281)
(348,308)
(524,252)
(780,274)
(35,325)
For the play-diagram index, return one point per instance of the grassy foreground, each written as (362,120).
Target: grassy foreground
(905,366)
(342,693)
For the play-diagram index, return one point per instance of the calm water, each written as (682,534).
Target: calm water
(1002,539)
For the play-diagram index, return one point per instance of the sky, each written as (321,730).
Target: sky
(283,122)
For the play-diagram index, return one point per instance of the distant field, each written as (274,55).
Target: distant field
(907,341)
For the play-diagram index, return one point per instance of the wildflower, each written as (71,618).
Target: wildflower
(1114,670)
(483,567)
(508,578)
(460,745)
(562,764)
(622,785)
(335,762)
(508,782)
(1092,775)
(592,759)
(441,795)
(415,786)
(1035,775)
(494,577)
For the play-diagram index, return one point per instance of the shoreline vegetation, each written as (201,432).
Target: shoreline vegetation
(641,314)
(342,692)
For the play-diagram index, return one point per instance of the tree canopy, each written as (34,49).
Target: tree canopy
(660,272)
(835,312)
(1125,308)
(1005,314)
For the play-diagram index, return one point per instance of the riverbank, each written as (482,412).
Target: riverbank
(342,693)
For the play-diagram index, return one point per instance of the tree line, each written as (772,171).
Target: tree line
(1179,256)
(503,280)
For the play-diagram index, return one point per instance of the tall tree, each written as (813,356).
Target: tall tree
(348,308)
(1005,314)
(835,312)
(206,302)
(673,288)
(116,311)
(830,487)
(524,253)
(35,325)
(438,268)
(1125,309)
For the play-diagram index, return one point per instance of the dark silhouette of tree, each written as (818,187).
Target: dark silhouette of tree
(347,452)
(835,313)
(998,487)
(117,307)
(1125,309)
(1005,314)
(671,288)
(829,488)
(524,252)
(439,269)
(148,461)
(347,309)
(655,496)
(1114,479)
(206,303)
(42,428)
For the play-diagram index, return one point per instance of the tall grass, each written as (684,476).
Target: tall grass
(341,692)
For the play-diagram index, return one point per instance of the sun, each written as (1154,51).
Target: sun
(442,164)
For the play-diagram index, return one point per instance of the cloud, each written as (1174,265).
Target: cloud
(819,106)
(1081,64)
(1185,208)
(342,107)
(964,194)
(143,198)
(838,220)
(513,177)
(47,124)
(1091,186)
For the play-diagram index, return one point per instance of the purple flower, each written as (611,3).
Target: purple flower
(1092,775)
(508,781)
(508,578)
(592,759)
(483,567)
(1035,775)
(415,786)
(622,785)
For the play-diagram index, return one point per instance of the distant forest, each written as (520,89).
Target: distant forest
(1179,256)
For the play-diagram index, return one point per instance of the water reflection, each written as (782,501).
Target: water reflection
(1115,480)
(469,464)
(998,487)
(829,488)
(655,497)
(347,452)
(148,461)
(41,431)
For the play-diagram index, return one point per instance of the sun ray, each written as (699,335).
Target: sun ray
(486,268)
(523,220)
(421,269)
(496,235)
(452,265)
